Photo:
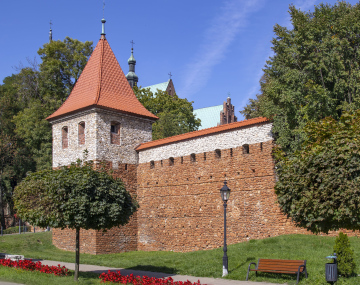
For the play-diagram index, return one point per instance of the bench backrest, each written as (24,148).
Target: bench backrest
(280,264)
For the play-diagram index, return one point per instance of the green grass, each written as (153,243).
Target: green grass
(200,263)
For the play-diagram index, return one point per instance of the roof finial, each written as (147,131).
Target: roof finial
(170,74)
(103,21)
(50,33)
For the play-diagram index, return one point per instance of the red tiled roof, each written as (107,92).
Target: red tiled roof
(204,132)
(103,84)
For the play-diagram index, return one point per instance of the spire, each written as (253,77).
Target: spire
(131,76)
(102,84)
(50,33)
(103,21)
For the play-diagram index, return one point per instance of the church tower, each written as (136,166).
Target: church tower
(131,76)
(102,114)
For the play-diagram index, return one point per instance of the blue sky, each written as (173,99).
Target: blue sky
(212,48)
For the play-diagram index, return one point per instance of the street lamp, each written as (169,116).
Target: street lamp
(225,194)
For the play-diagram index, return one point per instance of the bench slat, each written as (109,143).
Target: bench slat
(276,271)
(288,268)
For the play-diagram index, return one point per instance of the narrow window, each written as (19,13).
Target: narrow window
(192,157)
(171,161)
(115,133)
(261,146)
(65,143)
(217,153)
(182,160)
(204,155)
(246,149)
(231,152)
(161,163)
(81,133)
(125,166)
(152,164)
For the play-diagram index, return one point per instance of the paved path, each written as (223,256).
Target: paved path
(176,277)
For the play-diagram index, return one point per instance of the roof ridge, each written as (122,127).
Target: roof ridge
(100,72)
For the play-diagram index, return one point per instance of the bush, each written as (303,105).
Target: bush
(345,260)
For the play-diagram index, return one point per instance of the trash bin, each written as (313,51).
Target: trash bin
(331,274)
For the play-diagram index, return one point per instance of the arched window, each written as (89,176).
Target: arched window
(192,157)
(115,133)
(64,135)
(81,133)
(171,161)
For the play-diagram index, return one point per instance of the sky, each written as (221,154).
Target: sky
(213,48)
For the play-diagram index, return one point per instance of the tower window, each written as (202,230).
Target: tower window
(152,164)
(115,133)
(171,161)
(192,157)
(64,135)
(81,133)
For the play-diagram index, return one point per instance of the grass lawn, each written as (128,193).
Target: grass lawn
(200,263)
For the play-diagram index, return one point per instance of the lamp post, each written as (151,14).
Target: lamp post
(225,194)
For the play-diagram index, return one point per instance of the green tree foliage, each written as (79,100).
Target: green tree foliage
(314,72)
(175,114)
(345,255)
(74,197)
(43,92)
(319,185)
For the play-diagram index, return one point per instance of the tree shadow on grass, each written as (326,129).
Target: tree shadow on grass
(247,261)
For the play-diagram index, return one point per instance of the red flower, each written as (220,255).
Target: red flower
(30,265)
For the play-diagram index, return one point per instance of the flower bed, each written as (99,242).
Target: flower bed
(32,266)
(116,277)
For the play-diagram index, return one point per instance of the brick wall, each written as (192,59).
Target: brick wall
(117,239)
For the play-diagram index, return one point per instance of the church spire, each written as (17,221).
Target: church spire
(50,33)
(103,21)
(131,76)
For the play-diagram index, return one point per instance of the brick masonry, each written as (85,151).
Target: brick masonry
(180,204)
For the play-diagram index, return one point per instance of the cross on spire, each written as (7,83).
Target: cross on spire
(132,44)
(103,8)
(170,74)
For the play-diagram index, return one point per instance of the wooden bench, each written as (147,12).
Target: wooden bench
(282,266)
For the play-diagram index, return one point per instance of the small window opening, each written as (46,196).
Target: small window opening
(125,166)
(161,162)
(181,160)
(204,155)
(231,152)
(261,146)
(217,153)
(115,133)
(65,141)
(192,157)
(171,161)
(152,164)
(246,149)
(81,133)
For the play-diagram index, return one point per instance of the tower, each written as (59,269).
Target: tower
(131,76)
(50,33)
(101,115)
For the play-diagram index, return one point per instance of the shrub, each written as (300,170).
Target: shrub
(345,260)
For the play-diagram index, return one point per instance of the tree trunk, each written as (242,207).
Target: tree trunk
(2,206)
(77,254)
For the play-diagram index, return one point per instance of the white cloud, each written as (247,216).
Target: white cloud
(225,27)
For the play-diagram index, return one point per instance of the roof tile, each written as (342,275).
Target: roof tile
(103,83)
(204,132)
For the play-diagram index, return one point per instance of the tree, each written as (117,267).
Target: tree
(314,72)
(44,91)
(319,185)
(76,197)
(175,114)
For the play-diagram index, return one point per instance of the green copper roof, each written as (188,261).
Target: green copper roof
(131,58)
(210,116)
(161,86)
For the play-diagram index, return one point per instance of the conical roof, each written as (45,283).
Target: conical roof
(102,84)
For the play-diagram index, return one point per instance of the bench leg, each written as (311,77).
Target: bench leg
(247,275)
(298,275)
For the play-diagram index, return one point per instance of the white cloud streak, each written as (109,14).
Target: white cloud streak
(225,27)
